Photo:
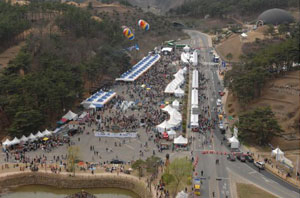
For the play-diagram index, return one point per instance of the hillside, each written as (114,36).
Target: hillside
(73,51)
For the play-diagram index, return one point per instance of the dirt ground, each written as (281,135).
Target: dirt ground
(282,95)
(234,43)
(9,54)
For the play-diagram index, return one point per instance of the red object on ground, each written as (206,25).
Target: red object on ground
(63,120)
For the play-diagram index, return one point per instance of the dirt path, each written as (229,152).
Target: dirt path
(9,54)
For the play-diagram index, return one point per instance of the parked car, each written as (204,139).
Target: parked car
(231,157)
(219,102)
(221,93)
(260,164)
(117,161)
(242,158)
(249,158)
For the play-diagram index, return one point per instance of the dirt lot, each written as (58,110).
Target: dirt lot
(234,43)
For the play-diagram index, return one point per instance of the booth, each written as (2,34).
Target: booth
(15,141)
(71,116)
(278,154)
(179,92)
(171,134)
(24,139)
(32,137)
(234,142)
(175,104)
(180,140)
(165,136)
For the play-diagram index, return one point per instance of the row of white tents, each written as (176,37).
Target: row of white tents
(174,121)
(24,139)
(174,86)
(195,79)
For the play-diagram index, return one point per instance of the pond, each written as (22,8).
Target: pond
(42,191)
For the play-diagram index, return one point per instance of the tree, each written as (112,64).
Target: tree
(139,165)
(73,158)
(229,57)
(152,164)
(258,126)
(178,174)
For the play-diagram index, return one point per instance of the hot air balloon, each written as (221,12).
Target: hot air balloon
(127,32)
(143,24)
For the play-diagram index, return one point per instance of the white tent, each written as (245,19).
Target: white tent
(7,142)
(234,142)
(195,58)
(180,140)
(179,92)
(39,135)
(31,137)
(194,99)
(47,133)
(91,106)
(15,141)
(279,155)
(163,126)
(175,104)
(167,49)
(195,79)
(70,116)
(171,134)
(194,120)
(243,35)
(186,48)
(168,108)
(24,139)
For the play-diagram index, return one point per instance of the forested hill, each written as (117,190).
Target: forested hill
(70,52)
(221,8)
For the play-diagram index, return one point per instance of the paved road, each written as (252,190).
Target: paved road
(217,178)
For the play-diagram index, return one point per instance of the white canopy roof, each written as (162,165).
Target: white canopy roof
(168,49)
(92,106)
(15,141)
(24,139)
(39,134)
(175,104)
(179,92)
(70,116)
(163,126)
(47,133)
(180,140)
(279,155)
(244,35)
(182,195)
(31,137)
(233,139)
(186,48)
(194,120)
(171,132)
(185,57)
(7,142)
(195,58)
(195,80)
(194,98)
(84,113)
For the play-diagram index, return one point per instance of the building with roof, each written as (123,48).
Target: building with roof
(274,16)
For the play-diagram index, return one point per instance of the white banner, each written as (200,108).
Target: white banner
(116,135)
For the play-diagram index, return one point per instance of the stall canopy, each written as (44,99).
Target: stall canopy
(138,69)
(234,142)
(15,141)
(185,57)
(70,116)
(163,126)
(278,154)
(182,195)
(186,48)
(195,58)
(180,140)
(195,79)
(194,99)
(47,133)
(179,92)
(39,135)
(7,142)
(194,120)
(24,139)
(173,122)
(98,99)
(32,137)
(176,82)
(175,104)
(244,35)
(172,134)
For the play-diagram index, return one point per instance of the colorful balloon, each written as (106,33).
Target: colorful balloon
(143,24)
(130,37)
(127,32)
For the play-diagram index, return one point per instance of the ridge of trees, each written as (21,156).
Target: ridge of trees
(218,8)
(47,76)
(258,126)
(247,78)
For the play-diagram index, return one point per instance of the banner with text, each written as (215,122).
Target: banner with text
(116,135)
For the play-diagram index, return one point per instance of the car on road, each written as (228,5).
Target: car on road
(115,161)
(249,158)
(219,102)
(231,157)
(241,157)
(260,165)
(221,93)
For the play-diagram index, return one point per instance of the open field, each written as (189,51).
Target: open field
(235,43)
(251,191)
